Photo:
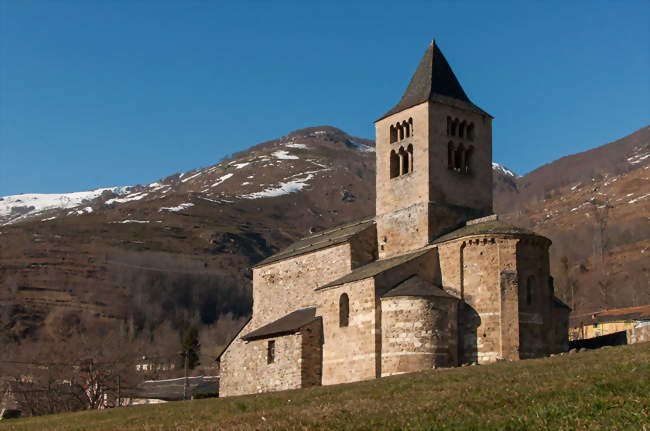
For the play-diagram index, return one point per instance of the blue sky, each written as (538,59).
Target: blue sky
(103,93)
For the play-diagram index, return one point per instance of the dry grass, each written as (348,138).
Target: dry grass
(604,389)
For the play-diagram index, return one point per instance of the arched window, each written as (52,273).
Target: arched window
(407,129)
(454,125)
(400,132)
(409,151)
(459,157)
(448,126)
(404,161)
(470,132)
(344,310)
(393,134)
(468,158)
(530,290)
(411,125)
(394,164)
(461,130)
(450,155)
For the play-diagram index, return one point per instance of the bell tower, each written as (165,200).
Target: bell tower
(434,160)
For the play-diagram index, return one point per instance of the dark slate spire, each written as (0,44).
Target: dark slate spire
(435,81)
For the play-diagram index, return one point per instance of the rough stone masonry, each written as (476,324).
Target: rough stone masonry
(433,280)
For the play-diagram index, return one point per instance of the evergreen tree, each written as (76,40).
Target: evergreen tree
(191,347)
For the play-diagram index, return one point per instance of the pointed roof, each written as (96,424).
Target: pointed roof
(434,80)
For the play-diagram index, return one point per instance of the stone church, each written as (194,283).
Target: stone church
(433,280)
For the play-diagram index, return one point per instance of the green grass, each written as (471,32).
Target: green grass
(606,389)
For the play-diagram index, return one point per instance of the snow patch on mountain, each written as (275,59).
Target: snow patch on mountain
(638,158)
(503,170)
(177,208)
(221,179)
(299,146)
(184,180)
(127,198)
(17,207)
(284,188)
(284,155)
(361,147)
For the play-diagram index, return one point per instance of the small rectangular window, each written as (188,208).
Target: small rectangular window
(270,352)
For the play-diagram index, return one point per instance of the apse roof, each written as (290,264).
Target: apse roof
(416,286)
(486,228)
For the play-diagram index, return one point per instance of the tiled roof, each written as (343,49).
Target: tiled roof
(435,81)
(320,240)
(415,286)
(618,314)
(375,268)
(292,322)
(490,227)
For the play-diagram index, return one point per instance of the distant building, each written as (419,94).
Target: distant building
(161,391)
(634,321)
(433,280)
(149,365)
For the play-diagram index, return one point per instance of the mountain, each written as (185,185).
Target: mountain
(180,249)
(141,258)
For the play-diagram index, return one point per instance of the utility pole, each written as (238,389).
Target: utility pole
(119,399)
(185,382)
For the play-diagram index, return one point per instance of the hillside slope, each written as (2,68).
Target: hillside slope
(603,389)
(180,249)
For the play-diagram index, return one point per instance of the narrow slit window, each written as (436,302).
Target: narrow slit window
(530,290)
(270,352)
(344,310)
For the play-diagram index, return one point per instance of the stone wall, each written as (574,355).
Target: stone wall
(417,334)
(535,319)
(472,190)
(403,230)
(432,180)
(297,363)
(560,329)
(412,188)
(639,334)
(312,353)
(351,353)
(363,247)
(285,286)
(486,271)
(244,367)
(414,208)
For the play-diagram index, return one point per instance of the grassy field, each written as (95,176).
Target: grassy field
(606,389)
